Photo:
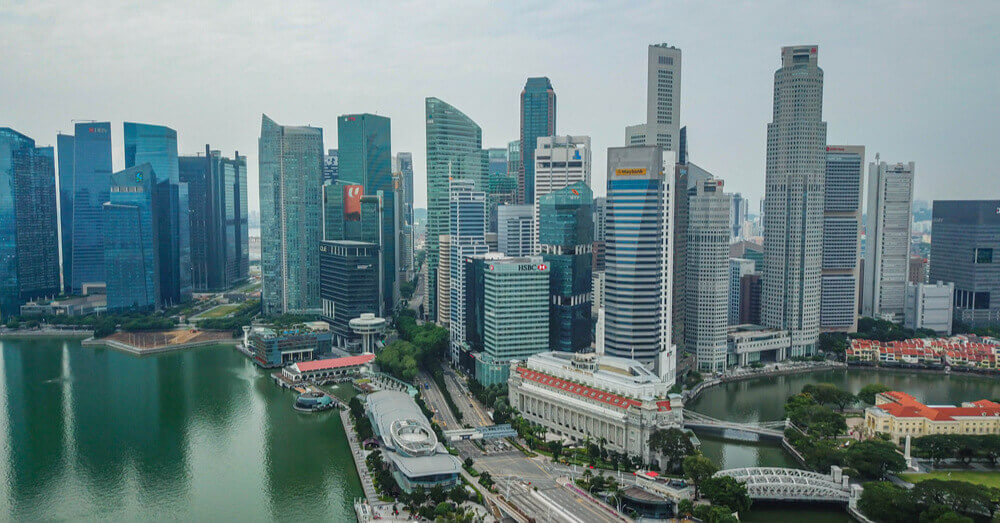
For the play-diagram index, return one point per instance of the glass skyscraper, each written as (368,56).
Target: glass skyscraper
(538,118)
(29,243)
(91,187)
(566,234)
(291,173)
(131,240)
(454,150)
(65,144)
(467,233)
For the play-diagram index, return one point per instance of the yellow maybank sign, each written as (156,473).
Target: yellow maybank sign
(630,172)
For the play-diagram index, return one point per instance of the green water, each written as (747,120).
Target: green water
(195,435)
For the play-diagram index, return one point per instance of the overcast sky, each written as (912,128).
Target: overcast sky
(912,80)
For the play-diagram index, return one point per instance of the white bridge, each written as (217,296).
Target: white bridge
(780,484)
(735,429)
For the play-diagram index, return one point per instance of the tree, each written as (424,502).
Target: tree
(673,444)
(458,494)
(469,463)
(555,448)
(868,392)
(936,446)
(714,514)
(885,502)
(698,469)
(725,490)
(828,394)
(964,498)
(685,507)
(874,459)
(833,342)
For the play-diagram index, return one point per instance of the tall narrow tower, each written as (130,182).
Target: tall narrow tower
(793,211)
(663,101)
(538,118)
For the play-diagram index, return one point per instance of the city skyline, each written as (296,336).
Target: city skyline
(726,119)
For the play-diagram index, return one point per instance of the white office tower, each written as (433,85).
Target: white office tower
(559,161)
(663,101)
(468,238)
(793,212)
(930,306)
(637,290)
(599,333)
(706,316)
(444,280)
(597,292)
(842,197)
(515,229)
(600,213)
(887,240)
(738,268)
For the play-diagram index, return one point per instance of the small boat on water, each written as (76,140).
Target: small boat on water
(314,402)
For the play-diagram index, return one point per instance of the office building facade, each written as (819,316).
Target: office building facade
(291,173)
(443,281)
(538,119)
(349,287)
(738,268)
(468,238)
(566,234)
(842,196)
(887,249)
(663,101)
(929,306)
(559,162)
(707,275)
(515,229)
(91,187)
(331,166)
(65,144)
(131,240)
(965,250)
(737,216)
(404,165)
(793,208)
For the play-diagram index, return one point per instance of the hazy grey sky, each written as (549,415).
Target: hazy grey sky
(913,80)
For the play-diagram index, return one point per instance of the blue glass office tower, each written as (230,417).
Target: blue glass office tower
(131,240)
(467,228)
(29,243)
(566,235)
(157,145)
(91,186)
(365,158)
(538,118)
(291,216)
(65,144)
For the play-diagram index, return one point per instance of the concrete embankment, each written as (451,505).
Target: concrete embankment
(142,351)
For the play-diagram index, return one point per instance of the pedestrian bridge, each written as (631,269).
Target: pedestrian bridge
(734,429)
(781,484)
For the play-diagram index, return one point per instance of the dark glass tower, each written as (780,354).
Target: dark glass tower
(538,118)
(91,186)
(65,144)
(566,234)
(131,240)
(29,243)
(348,285)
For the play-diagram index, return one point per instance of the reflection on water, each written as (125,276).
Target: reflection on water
(97,434)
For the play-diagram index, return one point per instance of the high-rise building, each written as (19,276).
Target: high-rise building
(65,144)
(291,173)
(566,234)
(331,166)
(663,101)
(349,286)
(217,190)
(738,268)
(514,159)
(507,313)
(887,249)
(750,290)
(454,151)
(686,177)
(443,281)
(793,217)
(638,276)
(538,118)
(29,237)
(559,162)
(131,240)
(919,269)
(965,250)
(501,190)
(600,218)
(842,195)
(707,271)
(737,216)
(468,238)
(682,148)
(91,187)
(515,229)
(404,162)
(929,306)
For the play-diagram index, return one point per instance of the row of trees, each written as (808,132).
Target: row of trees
(931,501)
(962,447)
(436,503)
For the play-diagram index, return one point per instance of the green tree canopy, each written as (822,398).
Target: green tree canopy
(874,459)
(673,444)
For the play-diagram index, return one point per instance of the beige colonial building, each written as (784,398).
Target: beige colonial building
(899,415)
(581,396)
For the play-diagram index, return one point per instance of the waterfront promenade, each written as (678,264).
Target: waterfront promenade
(359,458)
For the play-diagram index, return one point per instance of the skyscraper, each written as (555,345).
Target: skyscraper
(514,159)
(454,151)
(738,268)
(707,271)
(516,229)
(887,252)
(965,250)
(443,281)
(349,286)
(566,234)
(560,161)
(501,190)
(737,216)
(663,101)
(29,238)
(131,240)
(91,187)
(793,212)
(331,166)
(157,146)
(64,152)
(468,238)
(844,185)
(686,176)
(291,172)
(404,162)
(218,214)
(638,276)
(538,118)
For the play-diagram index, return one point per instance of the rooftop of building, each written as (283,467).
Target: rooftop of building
(400,423)
(298,329)
(332,363)
(750,330)
(903,405)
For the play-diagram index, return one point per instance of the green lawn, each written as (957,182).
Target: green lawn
(220,311)
(990,479)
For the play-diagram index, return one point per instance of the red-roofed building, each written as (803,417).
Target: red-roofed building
(899,414)
(327,370)
(954,351)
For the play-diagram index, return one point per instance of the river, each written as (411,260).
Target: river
(202,434)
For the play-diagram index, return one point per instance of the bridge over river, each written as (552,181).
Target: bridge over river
(734,429)
(781,484)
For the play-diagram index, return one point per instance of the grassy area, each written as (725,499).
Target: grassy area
(220,311)
(989,479)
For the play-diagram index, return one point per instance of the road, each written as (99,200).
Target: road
(473,412)
(435,401)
